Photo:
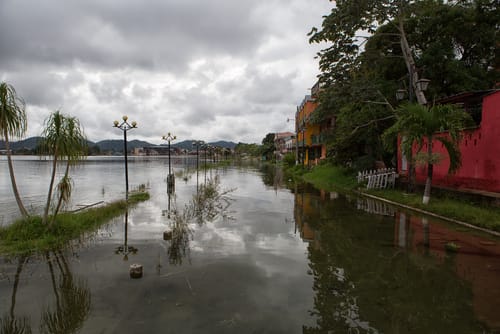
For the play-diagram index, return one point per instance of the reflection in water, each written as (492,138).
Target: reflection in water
(72,300)
(376,207)
(10,323)
(392,274)
(209,203)
(167,212)
(126,249)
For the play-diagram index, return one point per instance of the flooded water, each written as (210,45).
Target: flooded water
(260,259)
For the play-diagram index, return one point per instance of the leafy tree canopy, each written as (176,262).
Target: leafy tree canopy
(452,44)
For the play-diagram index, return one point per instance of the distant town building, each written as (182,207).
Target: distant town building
(283,141)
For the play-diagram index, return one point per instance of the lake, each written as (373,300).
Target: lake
(266,256)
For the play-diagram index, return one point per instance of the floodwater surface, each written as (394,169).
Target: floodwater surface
(249,256)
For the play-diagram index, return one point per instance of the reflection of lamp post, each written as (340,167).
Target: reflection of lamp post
(125,249)
(125,126)
(170,177)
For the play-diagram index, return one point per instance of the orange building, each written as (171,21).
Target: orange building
(311,144)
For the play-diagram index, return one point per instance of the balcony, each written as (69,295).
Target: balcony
(317,139)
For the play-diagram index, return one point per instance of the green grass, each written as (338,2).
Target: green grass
(333,178)
(31,235)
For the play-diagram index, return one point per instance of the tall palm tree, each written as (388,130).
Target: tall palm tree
(420,125)
(13,122)
(62,138)
(78,142)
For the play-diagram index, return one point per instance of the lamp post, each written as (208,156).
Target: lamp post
(125,126)
(170,177)
(206,146)
(197,143)
(420,87)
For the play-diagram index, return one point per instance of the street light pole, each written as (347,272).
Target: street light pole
(197,144)
(125,126)
(170,177)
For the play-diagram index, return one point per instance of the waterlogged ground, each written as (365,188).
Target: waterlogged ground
(256,257)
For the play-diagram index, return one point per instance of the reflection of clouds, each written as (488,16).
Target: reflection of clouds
(281,244)
(216,240)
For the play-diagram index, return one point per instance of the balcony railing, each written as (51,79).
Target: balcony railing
(318,139)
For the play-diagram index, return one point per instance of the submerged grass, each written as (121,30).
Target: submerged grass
(479,215)
(334,178)
(31,235)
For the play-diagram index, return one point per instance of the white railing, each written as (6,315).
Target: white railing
(378,178)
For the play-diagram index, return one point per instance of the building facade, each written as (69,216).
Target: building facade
(311,136)
(480,147)
(283,141)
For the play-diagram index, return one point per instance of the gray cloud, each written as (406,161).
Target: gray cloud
(219,69)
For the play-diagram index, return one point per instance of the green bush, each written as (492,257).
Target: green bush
(289,160)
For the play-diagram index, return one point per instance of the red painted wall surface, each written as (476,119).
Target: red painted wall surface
(480,149)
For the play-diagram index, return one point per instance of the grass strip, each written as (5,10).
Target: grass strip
(29,235)
(479,215)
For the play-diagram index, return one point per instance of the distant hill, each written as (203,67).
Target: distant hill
(28,144)
(188,144)
(223,143)
(116,145)
(111,145)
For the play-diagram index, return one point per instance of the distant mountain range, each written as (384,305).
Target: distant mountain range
(112,145)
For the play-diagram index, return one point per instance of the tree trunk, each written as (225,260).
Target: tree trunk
(49,196)
(59,202)
(411,176)
(410,64)
(23,210)
(430,167)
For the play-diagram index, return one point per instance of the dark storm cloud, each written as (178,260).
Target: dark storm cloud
(42,87)
(112,34)
(218,69)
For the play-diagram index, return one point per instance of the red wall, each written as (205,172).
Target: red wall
(480,154)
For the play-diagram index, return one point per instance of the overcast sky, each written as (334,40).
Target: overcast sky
(209,70)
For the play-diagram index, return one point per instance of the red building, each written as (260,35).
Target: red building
(480,147)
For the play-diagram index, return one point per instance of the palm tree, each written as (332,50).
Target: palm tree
(13,122)
(62,138)
(418,125)
(79,144)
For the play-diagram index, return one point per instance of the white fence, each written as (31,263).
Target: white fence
(378,178)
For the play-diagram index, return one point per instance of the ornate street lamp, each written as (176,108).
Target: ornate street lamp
(125,126)
(170,177)
(400,94)
(422,84)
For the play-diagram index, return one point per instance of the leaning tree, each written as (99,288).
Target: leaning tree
(13,123)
